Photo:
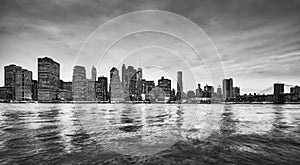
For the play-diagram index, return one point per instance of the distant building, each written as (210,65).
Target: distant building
(236,92)
(94,74)
(295,91)
(179,85)
(65,91)
(6,93)
(101,89)
(79,84)
(199,92)
(278,93)
(20,81)
(147,87)
(115,86)
(91,91)
(165,84)
(34,90)
(219,92)
(191,94)
(228,88)
(10,73)
(48,79)
(208,91)
(130,84)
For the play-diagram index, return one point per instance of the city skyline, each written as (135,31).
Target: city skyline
(255,46)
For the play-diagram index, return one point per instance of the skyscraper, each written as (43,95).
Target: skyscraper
(179,85)
(131,82)
(79,84)
(23,85)
(219,92)
(115,86)
(101,89)
(10,72)
(20,81)
(278,93)
(48,79)
(94,74)
(227,88)
(165,85)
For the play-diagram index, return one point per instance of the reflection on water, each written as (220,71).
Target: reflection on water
(113,134)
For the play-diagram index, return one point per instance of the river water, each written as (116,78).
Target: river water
(149,134)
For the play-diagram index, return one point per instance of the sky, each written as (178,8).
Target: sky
(256,42)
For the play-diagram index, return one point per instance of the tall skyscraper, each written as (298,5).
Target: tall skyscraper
(131,82)
(179,85)
(101,89)
(79,84)
(20,81)
(227,88)
(278,97)
(94,74)
(48,79)
(34,90)
(115,86)
(10,72)
(23,85)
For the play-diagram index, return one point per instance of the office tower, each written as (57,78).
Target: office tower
(91,91)
(20,81)
(147,87)
(48,79)
(34,90)
(10,72)
(278,97)
(165,85)
(179,85)
(79,84)
(236,92)
(227,88)
(130,83)
(115,86)
(219,92)
(199,92)
(208,91)
(139,84)
(94,74)
(101,89)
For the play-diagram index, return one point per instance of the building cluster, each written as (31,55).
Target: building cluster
(125,87)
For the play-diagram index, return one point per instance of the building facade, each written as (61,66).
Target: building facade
(101,89)
(179,85)
(278,93)
(165,85)
(48,79)
(115,87)
(227,88)
(79,84)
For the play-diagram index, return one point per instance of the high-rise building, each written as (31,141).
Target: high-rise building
(48,79)
(94,74)
(278,93)
(199,92)
(147,87)
(23,85)
(179,85)
(139,84)
(227,88)
(236,92)
(20,81)
(34,90)
(79,84)
(10,73)
(91,90)
(101,89)
(65,91)
(165,85)
(208,91)
(115,86)
(219,92)
(131,82)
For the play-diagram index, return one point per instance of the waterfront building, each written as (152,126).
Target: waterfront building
(199,92)
(227,88)
(208,91)
(191,94)
(147,87)
(101,89)
(129,82)
(20,81)
(48,79)
(34,90)
(179,85)
(165,85)
(65,91)
(94,74)
(278,93)
(6,93)
(236,92)
(79,84)
(219,92)
(115,86)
